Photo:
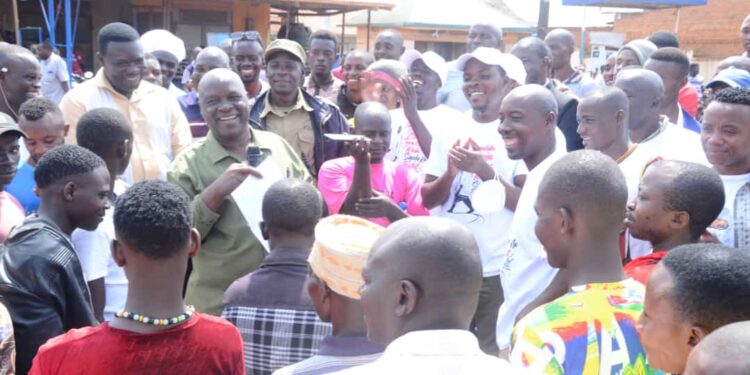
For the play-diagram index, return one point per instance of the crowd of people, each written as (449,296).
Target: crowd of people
(504,212)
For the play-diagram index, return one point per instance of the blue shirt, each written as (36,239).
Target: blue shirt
(22,187)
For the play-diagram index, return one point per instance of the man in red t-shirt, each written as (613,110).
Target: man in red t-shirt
(157,333)
(676,202)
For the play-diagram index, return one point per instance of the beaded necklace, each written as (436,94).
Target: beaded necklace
(156,321)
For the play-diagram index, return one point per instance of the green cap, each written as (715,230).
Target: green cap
(7,124)
(286,45)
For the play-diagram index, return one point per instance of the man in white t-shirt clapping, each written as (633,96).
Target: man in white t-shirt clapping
(726,141)
(54,73)
(466,157)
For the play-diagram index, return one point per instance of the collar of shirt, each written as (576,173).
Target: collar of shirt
(434,343)
(347,346)
(100,80)
(285,256)
(281,112)
(216,152)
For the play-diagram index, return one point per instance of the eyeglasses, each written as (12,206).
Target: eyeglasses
(244,35)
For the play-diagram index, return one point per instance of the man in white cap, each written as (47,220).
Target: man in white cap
(481,34)
(160,129)
(334,283)
(169,50)
(471,156)
(422,117)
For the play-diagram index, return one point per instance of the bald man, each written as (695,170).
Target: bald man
(208,59)
(209,171)
(389,44)
(647,127)
(723,352)
(537,60)
(422,281)
(562,44)
(20,77)
(581,207)
(739,62)
(603,125)
(480,35)
(528,116)
(745,36)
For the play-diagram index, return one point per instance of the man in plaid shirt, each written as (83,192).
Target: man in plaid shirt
(270,306)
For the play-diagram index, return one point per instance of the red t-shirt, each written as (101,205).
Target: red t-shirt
(640,268)
(203,345)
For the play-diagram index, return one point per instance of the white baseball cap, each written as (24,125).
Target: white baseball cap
(512,65)
(435,62)
(163,40)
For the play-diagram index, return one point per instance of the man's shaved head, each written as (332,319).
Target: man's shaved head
(213,54)
(645,90)
(389,44)
(219,75)
(293,206)
(589,184)
(603,118)
(739,62)
(723,352)
(562,45)
(484,35)
(422,273)
(545,101)
(369,112)
(528,118)
(607,98)
(564,36)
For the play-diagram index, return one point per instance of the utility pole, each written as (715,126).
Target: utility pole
(543,23)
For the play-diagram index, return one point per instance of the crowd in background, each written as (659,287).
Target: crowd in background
(282,209)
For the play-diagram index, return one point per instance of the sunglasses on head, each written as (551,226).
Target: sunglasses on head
(244,35)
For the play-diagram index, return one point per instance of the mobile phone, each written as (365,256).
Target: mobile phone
(345,137)
(256,155)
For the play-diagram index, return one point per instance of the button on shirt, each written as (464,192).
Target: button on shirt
(434,352)
(329,92)
(294,125)
(160,130)
(229,250)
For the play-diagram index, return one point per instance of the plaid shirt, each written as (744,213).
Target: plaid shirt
(274,338)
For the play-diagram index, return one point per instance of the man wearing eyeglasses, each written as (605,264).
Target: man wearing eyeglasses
(247,53)
(298,117)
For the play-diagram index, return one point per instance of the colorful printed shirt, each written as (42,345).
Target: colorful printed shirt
(590,330)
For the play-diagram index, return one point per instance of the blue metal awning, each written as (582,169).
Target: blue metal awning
(646,4)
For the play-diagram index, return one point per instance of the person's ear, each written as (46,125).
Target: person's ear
(121,151)
(551,119)
(408,295)
(697,333)
(657,101)
(66,128)
(620,117)
(264,231)
(100,57)
(195,243)
(320,294)
(566,221)
(117,254)
(69,191)
(680,219)
(683,82)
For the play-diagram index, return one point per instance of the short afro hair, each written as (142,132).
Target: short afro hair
(663,39)
(711,284)
(154,217)
(116,32)
(695,189)
(101,129)
(65,161)
(675,56)
(36,108)
(733,95)
(292,205)
(325,35)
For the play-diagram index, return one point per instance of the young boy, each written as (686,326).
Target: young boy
(365,184)
(40,275)
(592,328)
(675,204)
(156,333)
(107,133)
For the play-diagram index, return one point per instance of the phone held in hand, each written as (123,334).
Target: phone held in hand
(345,137)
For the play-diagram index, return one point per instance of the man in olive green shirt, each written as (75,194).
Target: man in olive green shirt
(209,171)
